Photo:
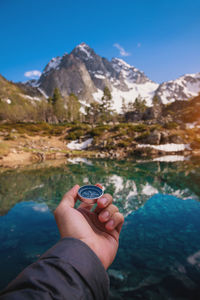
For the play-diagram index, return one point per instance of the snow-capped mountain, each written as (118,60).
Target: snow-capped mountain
(85,74)
(183,88)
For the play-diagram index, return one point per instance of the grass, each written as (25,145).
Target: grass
(4,148)
(33,129)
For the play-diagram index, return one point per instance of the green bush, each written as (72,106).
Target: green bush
(140,127)
(74,135)
(98,131)
(123,144)
(142,136)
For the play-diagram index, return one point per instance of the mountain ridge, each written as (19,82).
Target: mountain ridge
(85,73)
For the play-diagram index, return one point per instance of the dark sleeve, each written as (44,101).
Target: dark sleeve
(69,270)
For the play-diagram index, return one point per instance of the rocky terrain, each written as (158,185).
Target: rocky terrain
(27,143)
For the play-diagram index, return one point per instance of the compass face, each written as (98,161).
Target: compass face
(89,193)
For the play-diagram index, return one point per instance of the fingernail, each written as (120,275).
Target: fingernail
(104,201)
(105,214)
(110,224)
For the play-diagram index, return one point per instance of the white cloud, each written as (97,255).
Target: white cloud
(32,74)
(121,50)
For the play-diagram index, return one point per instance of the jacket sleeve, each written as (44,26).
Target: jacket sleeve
(69,270)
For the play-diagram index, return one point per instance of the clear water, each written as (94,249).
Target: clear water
(159,253)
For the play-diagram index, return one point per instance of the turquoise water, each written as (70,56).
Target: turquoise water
(159,253)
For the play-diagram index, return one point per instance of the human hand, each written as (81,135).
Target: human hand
(99,229)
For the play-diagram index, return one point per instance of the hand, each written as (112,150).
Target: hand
(99,229)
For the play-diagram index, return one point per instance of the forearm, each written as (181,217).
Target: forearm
(69,270)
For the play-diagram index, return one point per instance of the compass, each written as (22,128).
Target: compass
(89,193)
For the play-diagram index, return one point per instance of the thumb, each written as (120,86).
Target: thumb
(71,196)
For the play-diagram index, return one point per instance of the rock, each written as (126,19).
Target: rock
(133,116)
(176,139)
(154,112)
(153,138)
(164,137)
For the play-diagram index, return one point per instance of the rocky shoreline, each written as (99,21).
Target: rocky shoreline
(24,145)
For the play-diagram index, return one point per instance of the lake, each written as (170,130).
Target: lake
(159,253)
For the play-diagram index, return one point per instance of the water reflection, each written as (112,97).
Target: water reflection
(158,256)
(130,182)
(159,251)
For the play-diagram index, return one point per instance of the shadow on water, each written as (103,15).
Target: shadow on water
(159,254)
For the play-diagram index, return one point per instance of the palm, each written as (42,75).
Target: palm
(87,227)
(99,232)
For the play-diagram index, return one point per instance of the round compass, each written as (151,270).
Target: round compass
(89,193)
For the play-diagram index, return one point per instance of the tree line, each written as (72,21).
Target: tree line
(59,109)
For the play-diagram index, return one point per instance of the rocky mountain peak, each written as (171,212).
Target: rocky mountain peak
(53,64)
(84,52)
(130,73)
(85,73)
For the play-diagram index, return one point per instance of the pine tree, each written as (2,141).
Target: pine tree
(106,104)
(139,104)
(58,105)
(93,112)
(73,108)
(155,100)
(124,107)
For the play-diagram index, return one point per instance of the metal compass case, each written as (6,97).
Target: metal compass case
(90,193)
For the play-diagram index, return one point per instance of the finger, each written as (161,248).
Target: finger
(115,222)
(99,185)
(119,227)
(70,197)
(103,202)
(107,213)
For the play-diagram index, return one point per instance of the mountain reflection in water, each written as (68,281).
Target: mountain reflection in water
(159,253)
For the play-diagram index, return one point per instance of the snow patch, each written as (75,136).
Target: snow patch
(167,147)
(98,95)
(53,64)
(118,62)
(84,48)
(75,145)
(99,76)
(83,107)
(43,93)
(31,98)
(8,101)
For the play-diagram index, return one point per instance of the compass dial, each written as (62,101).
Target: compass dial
(89,193)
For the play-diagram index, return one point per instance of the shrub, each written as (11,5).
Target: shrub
(123,144)
(97,131)
(142,136)
(170,125)
(140,127)
(74,135)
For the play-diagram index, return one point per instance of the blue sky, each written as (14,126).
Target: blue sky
(161,38)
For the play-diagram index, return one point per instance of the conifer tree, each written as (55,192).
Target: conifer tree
(139,104)
(73,108)
(105,106)
(155,100)
(124,107)
(58,105)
